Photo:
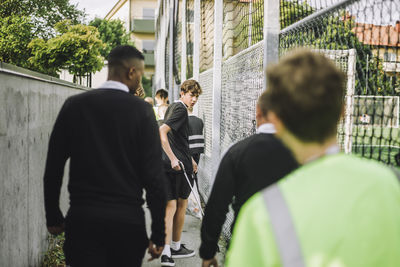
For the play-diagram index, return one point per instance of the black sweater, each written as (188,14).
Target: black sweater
(248,166)
(113,143)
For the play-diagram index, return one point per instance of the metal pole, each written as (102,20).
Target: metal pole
(171,90)
(271,34)
(184,42)
(348,121)
(217,77)
(196,44)
(366,76)
(250,21)
(158,51)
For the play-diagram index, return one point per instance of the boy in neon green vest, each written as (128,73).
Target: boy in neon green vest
(336,210)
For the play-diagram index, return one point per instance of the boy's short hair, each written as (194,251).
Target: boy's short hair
(191,86)
(306,91)
(162,93)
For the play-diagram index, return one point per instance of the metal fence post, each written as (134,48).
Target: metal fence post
(271,34)
(217,82)
(348,120)
(160,47)
(184,42)
(196,40)
(171,91)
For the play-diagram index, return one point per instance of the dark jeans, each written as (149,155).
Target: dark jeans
(104,244)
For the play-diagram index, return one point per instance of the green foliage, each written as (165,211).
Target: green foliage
(147,83)
(76,48)
(44,14)
(54,256)
(335,32)
(293,11)
(243,31)
(112,33)
(23,20)
(15,35)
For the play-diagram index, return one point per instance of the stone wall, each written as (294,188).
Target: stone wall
(29,104)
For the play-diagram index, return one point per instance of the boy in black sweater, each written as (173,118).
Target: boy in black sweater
(249,166)
(175,143)
(112,140)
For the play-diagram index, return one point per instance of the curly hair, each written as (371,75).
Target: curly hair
(191,86)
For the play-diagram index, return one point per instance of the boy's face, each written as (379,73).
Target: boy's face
(189,99)
(158,100)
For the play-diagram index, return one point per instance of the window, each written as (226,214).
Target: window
(389,57)
(148,46)
(148,13)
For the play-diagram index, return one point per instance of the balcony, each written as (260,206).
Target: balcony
(149,58)
(143,26)
(391,67)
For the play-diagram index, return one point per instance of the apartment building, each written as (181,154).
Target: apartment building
(139,19)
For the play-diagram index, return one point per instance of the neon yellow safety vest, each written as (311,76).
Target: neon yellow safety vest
(337,211)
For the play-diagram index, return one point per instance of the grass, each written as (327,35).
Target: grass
(54,256)
(380,143)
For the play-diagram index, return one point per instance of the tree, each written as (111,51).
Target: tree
(15,35)
(293,11)
(335,32)
(44,14)
(76,48)
(147,86)
(112,33)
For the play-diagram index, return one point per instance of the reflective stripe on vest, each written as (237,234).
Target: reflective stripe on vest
(283,228)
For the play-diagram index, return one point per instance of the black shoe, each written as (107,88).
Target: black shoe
(167,261)
(183,252)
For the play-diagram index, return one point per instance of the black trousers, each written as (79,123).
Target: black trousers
(104,244)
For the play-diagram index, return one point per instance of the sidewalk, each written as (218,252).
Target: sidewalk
(190,236)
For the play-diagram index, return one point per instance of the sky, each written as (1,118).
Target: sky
(95,8)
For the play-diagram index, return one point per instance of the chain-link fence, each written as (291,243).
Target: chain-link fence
(177,41)
(205,113)
(207,35)
(243,25)
(362,37)
(189,36)
(371,30)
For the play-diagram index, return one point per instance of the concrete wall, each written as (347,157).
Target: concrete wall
(28,108)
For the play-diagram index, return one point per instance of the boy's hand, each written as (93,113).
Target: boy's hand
(56,230)
(175,164)
(211,262)
(194,166)
(154,251)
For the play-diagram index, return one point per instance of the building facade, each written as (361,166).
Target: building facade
(139,19)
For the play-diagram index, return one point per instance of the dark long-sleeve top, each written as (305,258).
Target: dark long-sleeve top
(113,143)
(196,137)
(247,167)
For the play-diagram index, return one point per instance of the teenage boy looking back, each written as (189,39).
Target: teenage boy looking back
(175,143)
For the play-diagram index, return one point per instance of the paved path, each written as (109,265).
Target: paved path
(190,237)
